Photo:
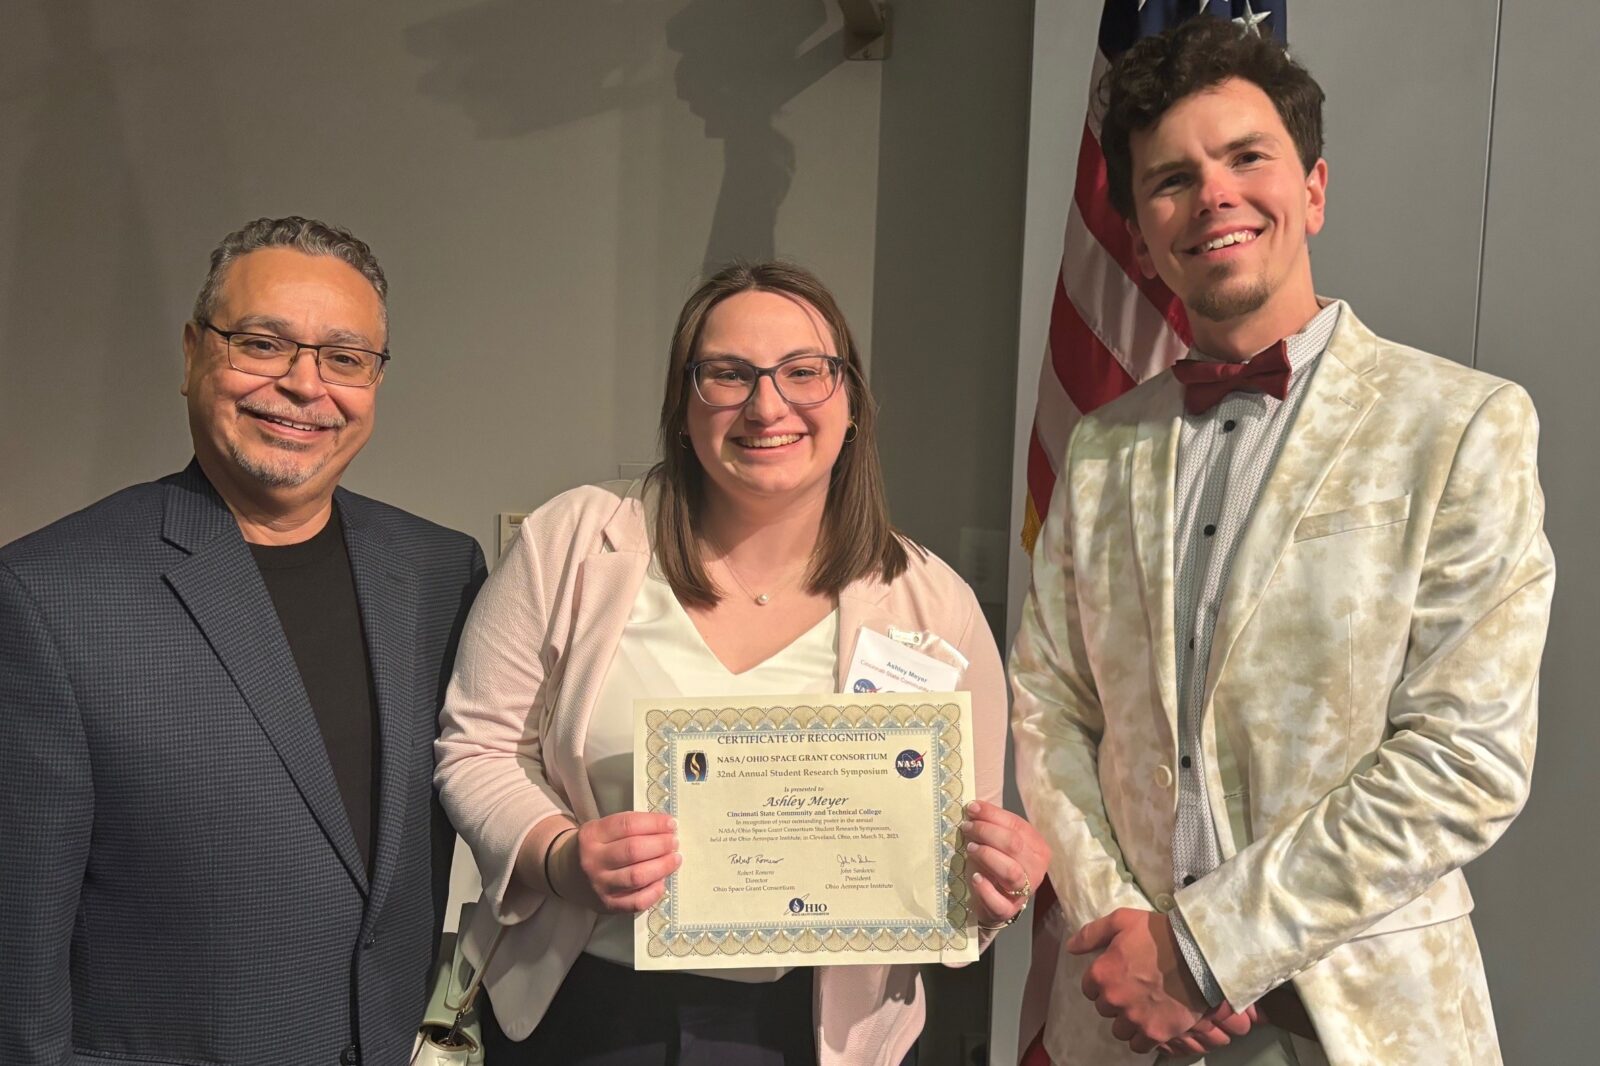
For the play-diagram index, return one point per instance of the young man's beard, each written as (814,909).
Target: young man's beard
(1219,303)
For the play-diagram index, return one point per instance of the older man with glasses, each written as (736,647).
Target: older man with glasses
(218,694)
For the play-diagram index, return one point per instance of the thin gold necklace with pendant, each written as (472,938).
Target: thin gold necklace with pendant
(760,599)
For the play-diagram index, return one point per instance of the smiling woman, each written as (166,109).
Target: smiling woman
(746,564)
(808,465)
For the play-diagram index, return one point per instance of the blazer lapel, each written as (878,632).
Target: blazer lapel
(222,589)
(1151,502)
(1336,402)
(386,593)
(607,584)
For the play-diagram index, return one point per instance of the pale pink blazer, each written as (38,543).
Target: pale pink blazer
(534,654)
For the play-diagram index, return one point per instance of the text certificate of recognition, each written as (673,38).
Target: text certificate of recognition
(815,830)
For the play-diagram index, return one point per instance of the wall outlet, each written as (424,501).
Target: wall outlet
(508,523)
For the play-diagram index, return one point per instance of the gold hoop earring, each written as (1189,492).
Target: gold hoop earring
(851,433)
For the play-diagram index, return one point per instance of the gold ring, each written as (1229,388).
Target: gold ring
(993,929)
(1024,892)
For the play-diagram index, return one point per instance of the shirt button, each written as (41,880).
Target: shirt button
(1186,762)
(1191,643)
(1210,530)
(350,1056)
(1165,903)
(1163,776)
(1228,426)
(1188,879)
(372,938)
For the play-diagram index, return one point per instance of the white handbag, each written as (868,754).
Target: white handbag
(451,1034)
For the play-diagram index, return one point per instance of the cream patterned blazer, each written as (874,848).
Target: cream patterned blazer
(1370,710)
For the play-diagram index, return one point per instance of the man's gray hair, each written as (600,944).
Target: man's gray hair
(306,235)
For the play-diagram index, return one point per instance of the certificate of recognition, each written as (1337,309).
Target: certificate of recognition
(815,830)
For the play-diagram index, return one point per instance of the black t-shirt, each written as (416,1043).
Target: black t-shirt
(314,591)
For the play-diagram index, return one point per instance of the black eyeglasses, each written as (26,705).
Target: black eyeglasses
(802,380)
(269,356)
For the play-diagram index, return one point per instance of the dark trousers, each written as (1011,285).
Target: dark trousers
(610,1015)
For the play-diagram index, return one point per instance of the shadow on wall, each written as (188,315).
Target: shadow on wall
(90,362)
(516,68)
(740,64)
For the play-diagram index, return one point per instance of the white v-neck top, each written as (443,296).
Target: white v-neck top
(663,656)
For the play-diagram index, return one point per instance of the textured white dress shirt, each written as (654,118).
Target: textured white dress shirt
(1224,458)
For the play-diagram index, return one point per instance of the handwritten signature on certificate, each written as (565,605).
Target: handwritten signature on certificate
(814,830)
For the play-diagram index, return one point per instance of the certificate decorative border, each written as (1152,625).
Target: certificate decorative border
(665,729)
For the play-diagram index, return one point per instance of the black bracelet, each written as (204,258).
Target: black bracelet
(550,850)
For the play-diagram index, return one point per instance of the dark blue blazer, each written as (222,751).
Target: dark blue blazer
(179,882)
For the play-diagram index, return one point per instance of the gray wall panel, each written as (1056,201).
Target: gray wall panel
(1535,890)
(952,178)
(1406,133)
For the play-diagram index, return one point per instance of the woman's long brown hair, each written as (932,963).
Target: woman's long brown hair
(856,539)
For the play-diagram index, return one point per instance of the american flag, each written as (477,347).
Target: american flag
(1110,328)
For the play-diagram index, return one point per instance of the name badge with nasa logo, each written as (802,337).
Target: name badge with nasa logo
(882,664)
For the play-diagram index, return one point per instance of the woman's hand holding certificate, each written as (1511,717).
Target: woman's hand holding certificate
(614,865)
(1007,859)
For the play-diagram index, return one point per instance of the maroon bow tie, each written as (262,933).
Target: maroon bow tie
(1205,384)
